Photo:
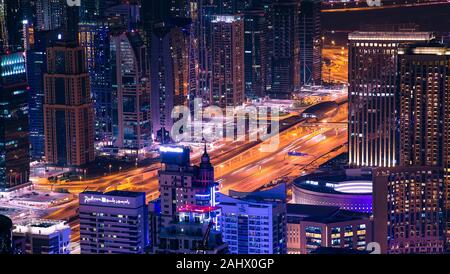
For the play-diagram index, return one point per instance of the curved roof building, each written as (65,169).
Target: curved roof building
(349,193)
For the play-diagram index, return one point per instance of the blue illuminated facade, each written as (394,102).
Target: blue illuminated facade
(14,142)
(36,67)
(94,38)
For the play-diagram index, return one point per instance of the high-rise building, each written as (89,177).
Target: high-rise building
(68,109)
(284,47)
(50,14)
(310,42)
(310,227)
(421,183)
(255,52)
(91,10)
(14,132)
(169,74)
(408,209)
(43,237)
(36,67)
(94,37)
(114,222)
(131,87)
(5,235)
(189,213)
(11,25)
(227,50)
(254,223)
(373,58)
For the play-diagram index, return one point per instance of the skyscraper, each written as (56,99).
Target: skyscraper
(373,136)
(131,87)
(14,132)
(68,109)
(408,209)
(227,50)
(310,42)
(36,67)
(284,44)
(11,25)
(189,213)
(420,184)
(169,73)
(255,52)
(50,14)
(94,37)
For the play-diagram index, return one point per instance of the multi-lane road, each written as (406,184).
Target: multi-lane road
(239,165)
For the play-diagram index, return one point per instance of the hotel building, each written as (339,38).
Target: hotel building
(373,115)
(188,207)
(115,222)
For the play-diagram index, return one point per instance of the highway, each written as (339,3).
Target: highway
(241,166)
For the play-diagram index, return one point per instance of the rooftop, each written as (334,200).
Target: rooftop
(323,214)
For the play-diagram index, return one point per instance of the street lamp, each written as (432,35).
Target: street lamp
(110,166)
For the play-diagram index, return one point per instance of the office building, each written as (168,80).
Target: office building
(50,14)
(11,25)
(43,237)
(189,209)
(131,87)
(284,48)
(254,223)
(5,235)
(68,109)
(170,74)
(114,222)
(373,59)
(94,37)
(227,50)
(255,52)
(36,67)
(420,184)
(14,131)
(310,33)
(310,227)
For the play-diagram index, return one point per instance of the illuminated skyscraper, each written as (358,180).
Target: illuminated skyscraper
(11,25)
(373,117)
(50,14)
(227,50)
(284,47)
(68,109)
(413,198)
(14,132)
(310,42)
(189,223)
(131,87)
(94,37)
(169,73)
(255,52)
